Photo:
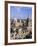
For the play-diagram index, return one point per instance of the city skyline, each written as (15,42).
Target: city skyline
(20,12)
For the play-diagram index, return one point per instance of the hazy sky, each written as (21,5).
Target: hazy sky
(20,12)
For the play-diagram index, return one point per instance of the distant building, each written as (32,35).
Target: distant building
(29,25)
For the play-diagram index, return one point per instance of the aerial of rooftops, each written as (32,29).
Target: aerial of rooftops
(20,22)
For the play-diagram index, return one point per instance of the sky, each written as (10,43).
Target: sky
(20,12)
